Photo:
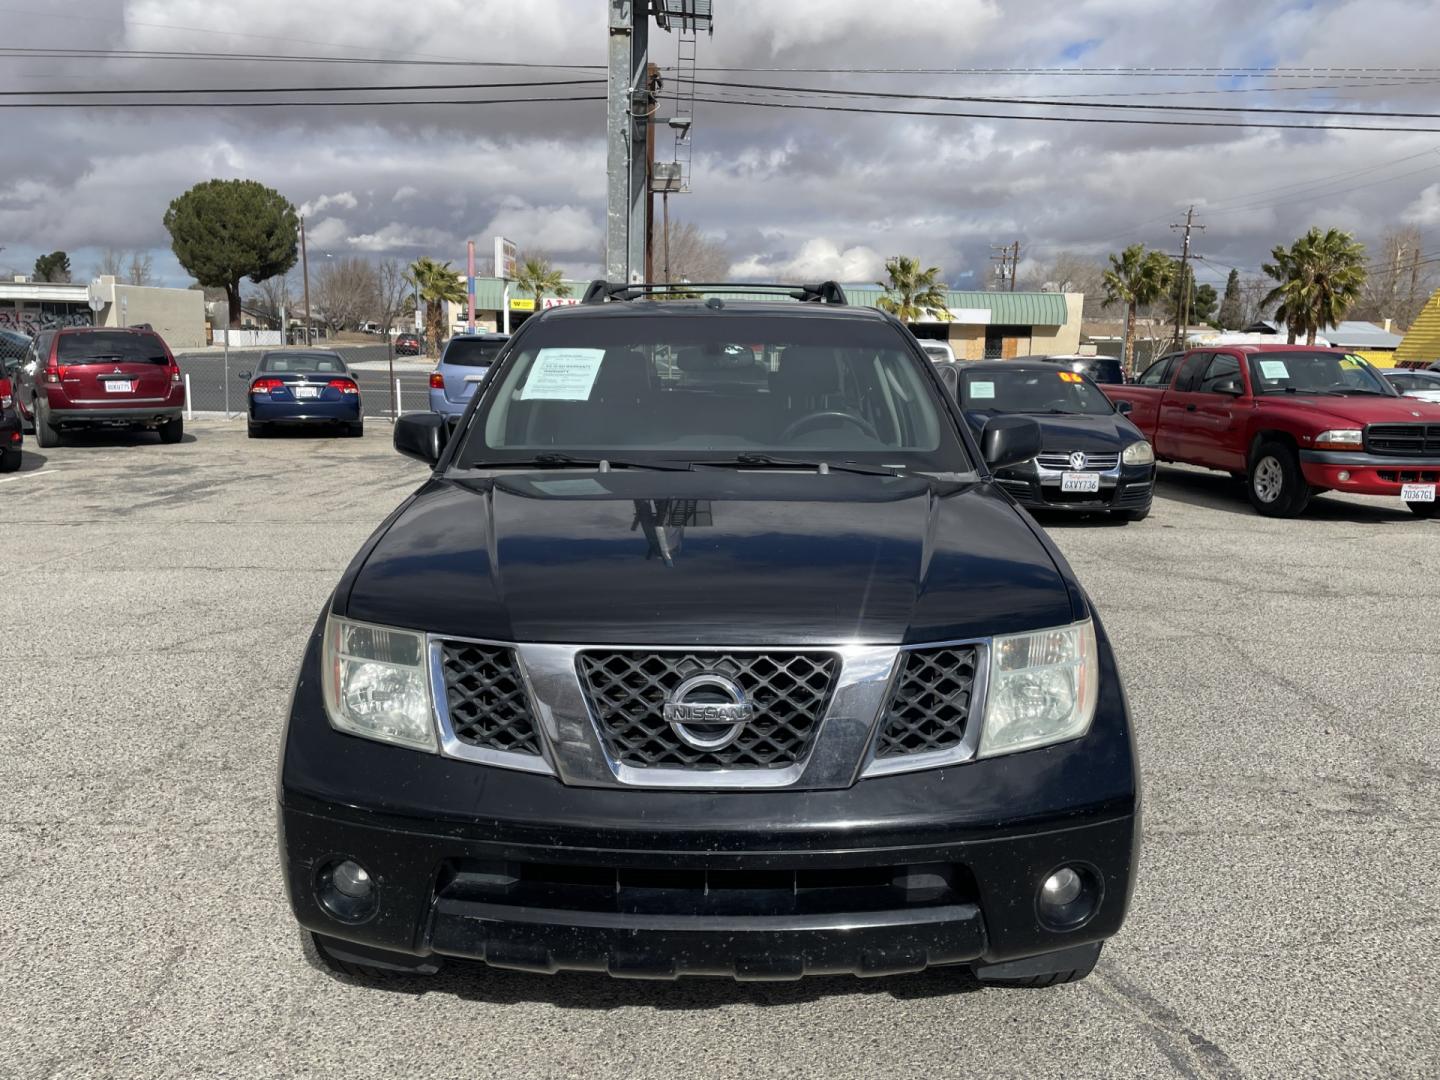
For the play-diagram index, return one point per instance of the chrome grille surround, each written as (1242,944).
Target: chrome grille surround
(1059,461)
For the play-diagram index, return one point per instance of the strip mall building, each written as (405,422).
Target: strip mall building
(982,325)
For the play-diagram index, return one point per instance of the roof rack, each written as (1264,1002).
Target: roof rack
(601,291)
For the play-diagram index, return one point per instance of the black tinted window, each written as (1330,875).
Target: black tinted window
(1190,369)
(467,352)
(318,363)
(1030,391)
(1101,370)
(114,345)
(1223,368)
(1158,373)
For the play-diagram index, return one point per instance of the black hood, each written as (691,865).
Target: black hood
(708,558)
(1102,433)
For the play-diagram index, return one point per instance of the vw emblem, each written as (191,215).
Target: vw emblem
(1078,460)
(708,711)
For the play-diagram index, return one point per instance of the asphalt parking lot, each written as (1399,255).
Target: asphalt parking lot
(1284,677)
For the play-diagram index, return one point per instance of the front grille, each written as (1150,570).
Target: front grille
(1408,476)
(930,705)
(486,698)
(788,690)
(697,890)
(1058,459)
(1403,440)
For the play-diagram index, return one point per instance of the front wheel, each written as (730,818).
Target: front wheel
(171,430)
(1423,510)
(1276,486)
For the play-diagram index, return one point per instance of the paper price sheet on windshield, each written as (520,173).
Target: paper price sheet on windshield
(562,375)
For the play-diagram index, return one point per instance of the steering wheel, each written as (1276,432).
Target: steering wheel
(814,419)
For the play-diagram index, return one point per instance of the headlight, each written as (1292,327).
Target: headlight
(1340,439)
(1042,689)
(376,684)
(1138,453)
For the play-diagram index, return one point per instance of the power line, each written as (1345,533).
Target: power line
(334,104)
(17,52)
(762,104)
(1120,72)
(394,87)
(994,100)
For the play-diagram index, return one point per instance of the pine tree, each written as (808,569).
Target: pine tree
(1232,307)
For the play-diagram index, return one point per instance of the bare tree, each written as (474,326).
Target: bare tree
(1069,271)
(692,255)
(273,296)
(1253,290)
(1398,283)
(345,292)
(124,265)
(393,295)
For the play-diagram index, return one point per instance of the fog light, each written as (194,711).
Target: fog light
(1060,888)
(1068,897)
(1344,476)
(346,891)
(351,879)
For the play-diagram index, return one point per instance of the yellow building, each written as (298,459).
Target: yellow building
(1421,346)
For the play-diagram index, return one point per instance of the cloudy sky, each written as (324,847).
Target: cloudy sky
(790,193)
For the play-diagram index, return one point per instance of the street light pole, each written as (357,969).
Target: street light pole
(305,271)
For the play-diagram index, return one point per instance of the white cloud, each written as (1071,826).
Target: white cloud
(559,230)
(817,259)
(327,232)
(1425,210)
(341,200)
(397,236)
(405,193)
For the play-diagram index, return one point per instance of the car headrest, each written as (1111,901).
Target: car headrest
(624,373)
(807,371)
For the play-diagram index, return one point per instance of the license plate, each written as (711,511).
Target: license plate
(307,391)
(1080,481)
(1417,492)
(115,386)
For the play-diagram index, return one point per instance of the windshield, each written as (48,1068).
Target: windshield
(1101,370)
(1315,373)
(113,346)
(1031,391)
(470,352)
(717,387)
(312,363)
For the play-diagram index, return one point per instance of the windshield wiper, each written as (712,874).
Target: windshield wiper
(1364,390)
(769,461)
(566,461)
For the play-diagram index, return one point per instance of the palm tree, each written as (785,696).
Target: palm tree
(437,283)
(913,294)
(1136,278)
(1319,277)
(537,277)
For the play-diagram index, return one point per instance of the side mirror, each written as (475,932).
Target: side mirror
(1124,408)
(244,376)
(421,435)
(1009,440)
(1228,386)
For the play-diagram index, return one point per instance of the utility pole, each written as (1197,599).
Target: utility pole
(1008,258)
(1182,298)
(629,104)
(652,84)
(305,273)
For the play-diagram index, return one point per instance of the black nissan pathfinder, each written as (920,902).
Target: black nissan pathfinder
(711,646)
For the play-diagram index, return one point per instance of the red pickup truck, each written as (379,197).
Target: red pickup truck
(1291,421)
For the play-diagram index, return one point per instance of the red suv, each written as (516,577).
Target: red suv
(79,377)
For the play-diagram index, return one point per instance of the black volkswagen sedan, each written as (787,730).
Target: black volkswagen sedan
(1091,459)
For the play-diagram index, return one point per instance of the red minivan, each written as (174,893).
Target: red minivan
(79,377)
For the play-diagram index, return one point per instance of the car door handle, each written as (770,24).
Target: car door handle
(1189,408)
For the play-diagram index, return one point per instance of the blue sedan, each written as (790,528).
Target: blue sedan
(303,387)
(464,362)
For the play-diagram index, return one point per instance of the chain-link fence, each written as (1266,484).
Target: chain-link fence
(207,390)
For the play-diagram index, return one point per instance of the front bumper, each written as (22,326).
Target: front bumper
(893,874)
(1366,474)
(1125,487)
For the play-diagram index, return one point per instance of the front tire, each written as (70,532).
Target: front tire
(1423,510)
(171,431)
(46,434)
(1275,485)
